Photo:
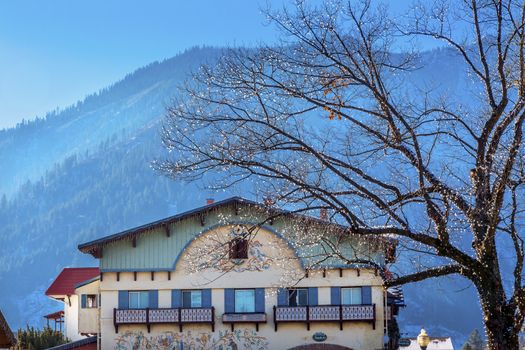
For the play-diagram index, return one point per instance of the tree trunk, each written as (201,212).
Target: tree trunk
(501,334)
(499,320)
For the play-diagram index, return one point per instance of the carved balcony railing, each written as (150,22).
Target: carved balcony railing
(325,313)
(244,317)
(178,316)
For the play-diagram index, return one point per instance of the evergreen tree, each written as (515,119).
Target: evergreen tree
(474,342)
(466,346)
(36,339)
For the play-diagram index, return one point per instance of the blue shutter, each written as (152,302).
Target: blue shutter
(282,297)
(366,295)
(123,299)
(335,296)
(153,299)
(176,298)
(312,296)
(206,298)
(229,300)
(83,302)
(259,300)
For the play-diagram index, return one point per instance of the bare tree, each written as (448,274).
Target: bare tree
(332,118)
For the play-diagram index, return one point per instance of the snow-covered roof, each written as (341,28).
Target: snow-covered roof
(437,343)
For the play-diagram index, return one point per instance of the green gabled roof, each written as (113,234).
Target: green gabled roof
(89,247)
(234,204)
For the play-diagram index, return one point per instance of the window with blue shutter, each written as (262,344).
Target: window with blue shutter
(282,297)
(176,298)
(366,295)
(259,300)
(192,298)
(229,300)
(123,299)
(83,302)
(297,297)
(139,299)
(206,298)
(312,296)
(154,299)
(352,296)
(335,295)
(244,300)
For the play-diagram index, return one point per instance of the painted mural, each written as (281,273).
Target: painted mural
(245,339)
(213,253)
(257,260)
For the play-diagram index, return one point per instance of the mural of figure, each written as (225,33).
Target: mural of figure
(244,339)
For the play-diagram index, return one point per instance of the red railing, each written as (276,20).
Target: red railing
(178,316)
(324,313)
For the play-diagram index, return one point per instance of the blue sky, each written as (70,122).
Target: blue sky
(53,53)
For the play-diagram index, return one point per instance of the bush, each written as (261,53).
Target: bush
(36,339)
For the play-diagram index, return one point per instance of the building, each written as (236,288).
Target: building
(63,289)
(236,274)
(7,339)
(436,343)
(88,343)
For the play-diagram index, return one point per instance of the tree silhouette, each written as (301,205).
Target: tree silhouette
(331,118)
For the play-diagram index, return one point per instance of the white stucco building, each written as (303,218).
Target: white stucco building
(237,274)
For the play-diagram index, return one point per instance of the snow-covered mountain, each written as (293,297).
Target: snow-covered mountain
(84,172)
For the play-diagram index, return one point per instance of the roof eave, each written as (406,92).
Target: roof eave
(94,247)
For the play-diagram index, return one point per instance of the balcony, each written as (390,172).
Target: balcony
(178,316)
(245,317)
(325,313)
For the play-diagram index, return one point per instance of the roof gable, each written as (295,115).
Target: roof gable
(7,339)
(92,247)
(66,282)
(154,246)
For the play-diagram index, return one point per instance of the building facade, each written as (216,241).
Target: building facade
(238,275)
(63,289)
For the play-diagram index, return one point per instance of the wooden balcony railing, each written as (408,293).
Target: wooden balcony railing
(244,317)
(325,313)
(178,316)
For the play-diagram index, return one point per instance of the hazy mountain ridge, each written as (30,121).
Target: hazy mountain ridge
(89,176)
(122,108)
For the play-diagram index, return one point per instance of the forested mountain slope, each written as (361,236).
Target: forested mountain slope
(84,172)
(31,148)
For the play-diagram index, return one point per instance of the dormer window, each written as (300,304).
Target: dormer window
(238,248)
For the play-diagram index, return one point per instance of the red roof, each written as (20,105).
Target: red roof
(55,315)
(66,281)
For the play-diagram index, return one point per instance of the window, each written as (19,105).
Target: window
(138,300)
(238,248)
(191,298)
(91,301)
(245,300)
(298,297)
(351,296)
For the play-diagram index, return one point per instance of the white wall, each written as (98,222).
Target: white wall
(357,335)
(88,318)
(71,318)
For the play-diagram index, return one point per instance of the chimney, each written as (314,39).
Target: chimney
(209,201)
(323,214)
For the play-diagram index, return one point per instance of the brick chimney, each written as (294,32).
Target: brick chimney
(209,201)
(323,214)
